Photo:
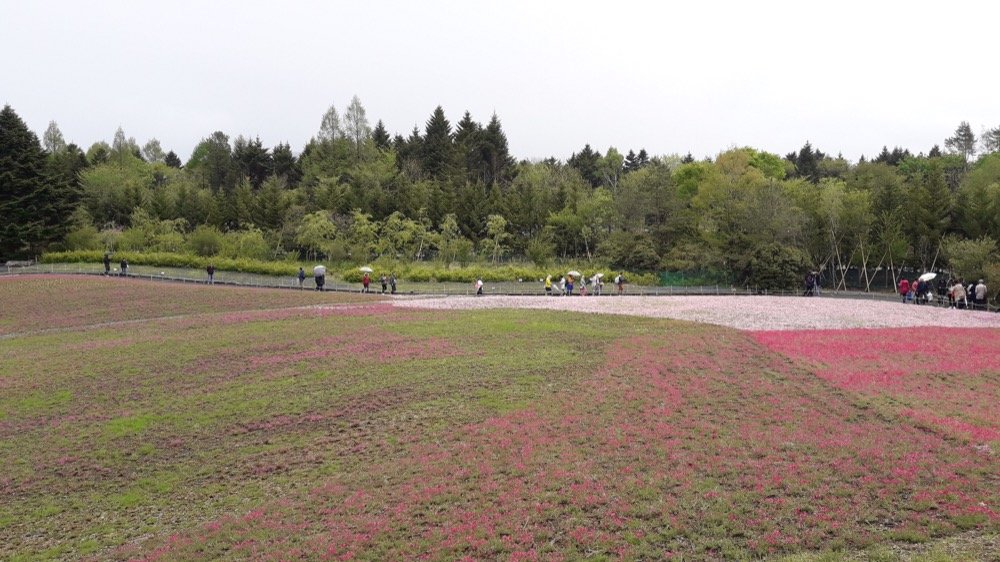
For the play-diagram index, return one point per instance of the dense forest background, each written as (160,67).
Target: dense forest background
(453,193)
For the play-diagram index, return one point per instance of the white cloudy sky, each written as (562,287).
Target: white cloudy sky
(671,77)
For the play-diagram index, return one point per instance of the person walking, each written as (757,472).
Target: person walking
(385,282)
(365,281)
(620,282)
(302,277)
(958,290)
(569,285)
(392,283)
(981,295)
(479,287)
(211,273)
(548,285)
(904,288)
(319,274)
(107,263)
(124,266)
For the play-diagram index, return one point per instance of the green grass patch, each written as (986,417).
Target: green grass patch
(130,425)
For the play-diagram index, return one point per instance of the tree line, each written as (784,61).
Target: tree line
(453,192)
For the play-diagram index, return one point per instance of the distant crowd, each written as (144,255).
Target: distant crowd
(955,292)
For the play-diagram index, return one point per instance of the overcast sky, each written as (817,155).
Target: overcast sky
(671,77)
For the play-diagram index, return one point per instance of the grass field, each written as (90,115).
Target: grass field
(154,421)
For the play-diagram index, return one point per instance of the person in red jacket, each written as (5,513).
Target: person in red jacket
(904,288)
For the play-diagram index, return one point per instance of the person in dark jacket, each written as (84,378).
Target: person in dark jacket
(107,263)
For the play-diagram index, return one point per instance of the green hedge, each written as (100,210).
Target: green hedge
(412,272)
(166,259)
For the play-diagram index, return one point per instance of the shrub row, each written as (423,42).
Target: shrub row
(412,272)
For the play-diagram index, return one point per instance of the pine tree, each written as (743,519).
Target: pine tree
(935,152)
(251,160)
(631,164)
(689,159)
(586,162)
(467,140)
(642,159)
(437,148)
(991,140)
(25,196)
(285,165)
(380,136)
(499,164)
(172,160)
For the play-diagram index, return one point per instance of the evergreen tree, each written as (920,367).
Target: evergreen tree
(935,152)
(172,160)
(27,200)
(408,153)
(380,136)
(467,140)
(884,156)
(586,162)
(631,164)
(991,140)
(213,160)
(642,159)
(688,159)
(251,160)
(498,164)
(285,165)
(437,148)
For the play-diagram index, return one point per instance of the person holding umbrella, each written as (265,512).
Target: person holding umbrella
(319,272)
(366,279)
(570,277)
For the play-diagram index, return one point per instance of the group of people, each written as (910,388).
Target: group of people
(811,284)
(567,284)
(123,265)
(959,295)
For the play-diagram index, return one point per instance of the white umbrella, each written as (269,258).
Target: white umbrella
(574,273)
(365,269)
(927,276)
(599,275)
(319,270)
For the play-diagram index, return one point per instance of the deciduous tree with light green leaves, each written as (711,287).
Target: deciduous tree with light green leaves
(315,233)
